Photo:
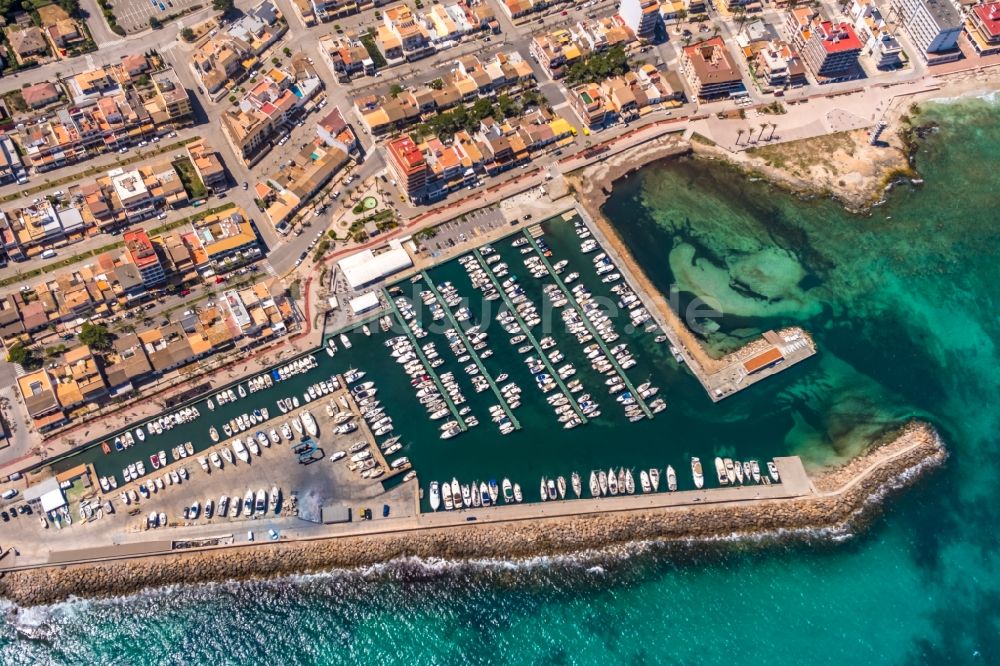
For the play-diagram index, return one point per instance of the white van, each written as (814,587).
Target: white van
(48,254)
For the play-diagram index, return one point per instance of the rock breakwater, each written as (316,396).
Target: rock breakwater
(845,500)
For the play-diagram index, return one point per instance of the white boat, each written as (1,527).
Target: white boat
(595,487)
(253,446)
(671,479)
(720,471)
(213,433)
(210,404)
(699,478)
(240,450)
(242,391)
(508,491)
(518,497)
(561,485)
(577,485)
(543,490)
(435,497)
(344,340)
(612,482)
(644,481)
(629,482)
(772,469)
(216,460)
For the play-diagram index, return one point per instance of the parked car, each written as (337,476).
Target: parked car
(10,493)
(184,292)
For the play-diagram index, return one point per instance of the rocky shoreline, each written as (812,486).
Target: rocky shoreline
(846,500)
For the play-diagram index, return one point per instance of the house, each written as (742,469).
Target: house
(27,42)
(40,94)
(932,25)
(334,131)
(401,36)
(710,70)
(135,65)
(346,57)
(38,392)
(11,168)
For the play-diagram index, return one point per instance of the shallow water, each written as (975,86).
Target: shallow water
(902,305)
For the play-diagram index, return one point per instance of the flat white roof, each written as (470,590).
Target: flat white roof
(52,500)
(333,302)
(364,302)
(365,267)
(129,186)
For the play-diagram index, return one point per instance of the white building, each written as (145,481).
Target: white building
(364,268)
(933,25)
(642,16)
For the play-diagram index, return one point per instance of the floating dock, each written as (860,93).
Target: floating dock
(590,326)
(531,337)
(423,359)
(472,352)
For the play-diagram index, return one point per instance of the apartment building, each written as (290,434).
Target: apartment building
(328,10)
(779,66)
(560,48)
(346,57)
(932,25)
(831,53)
(208,165)
(223,59)
(710,70)
(877,42)
(27,232)
(401,37)
(312,168)
(265,109)
(620,97)
(641,16)
(982,28)
(227,239)
(11,168)
(141,253)
(468,79)
(429,171)
(518,8)
(174,108)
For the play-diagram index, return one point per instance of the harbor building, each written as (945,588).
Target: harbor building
(932,25)
(364,268)
(982,28)
(710,70)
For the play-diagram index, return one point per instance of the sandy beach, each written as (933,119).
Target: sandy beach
(848,498)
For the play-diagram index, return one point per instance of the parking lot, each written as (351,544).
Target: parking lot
(133,15)
(464,228)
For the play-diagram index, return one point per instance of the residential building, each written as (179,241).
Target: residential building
(401,36)
(140,252)
(450,23)
(560,48)
(710,70)
(346,56)
(227,239)
(38,392)
(41,94)
(778,66)
(265,109)
(59,27)
(11,168)
(310,170)
(27,42)
(174,105)
(620,97)
(982,28)
(328,10)
(409,167)
(877,43)
(799,24)
(334,131)
(642,16)
(518,8)
(831,53)
(135,65)
(932,25)
(28,231)
(208,165)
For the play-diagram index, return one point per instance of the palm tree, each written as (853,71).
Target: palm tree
(762,126)
(739,135)
(774,126)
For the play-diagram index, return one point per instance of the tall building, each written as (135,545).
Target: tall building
(982,28)
(140,251)
(710,70)
(407,162)
(640,15)
(832,51)
(933,26)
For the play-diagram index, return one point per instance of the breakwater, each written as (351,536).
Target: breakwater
(846,498)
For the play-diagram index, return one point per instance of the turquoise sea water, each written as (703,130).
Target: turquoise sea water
(903,307)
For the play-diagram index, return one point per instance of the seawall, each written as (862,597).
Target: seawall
(846,499)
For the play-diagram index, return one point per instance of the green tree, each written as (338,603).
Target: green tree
(395,89)
(95,336)
(18,353)
(155,23)
(224,6)
(187,34)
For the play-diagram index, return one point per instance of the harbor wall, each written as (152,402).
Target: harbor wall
(845,501)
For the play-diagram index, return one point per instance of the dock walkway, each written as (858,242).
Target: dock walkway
(590,326)
(472,352)
(423,359)
(531,337)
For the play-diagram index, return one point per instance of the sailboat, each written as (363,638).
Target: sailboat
(672,479)
(577,485)
(595,487)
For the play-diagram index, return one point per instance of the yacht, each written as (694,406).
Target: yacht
(344,340)
(612,482)
(508,491)
(644,482)
(720,471)
(699,478)
(672,479)
(577,485)
(518,497)
(654,478)
(772,469)
(435,498)
(214,434)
